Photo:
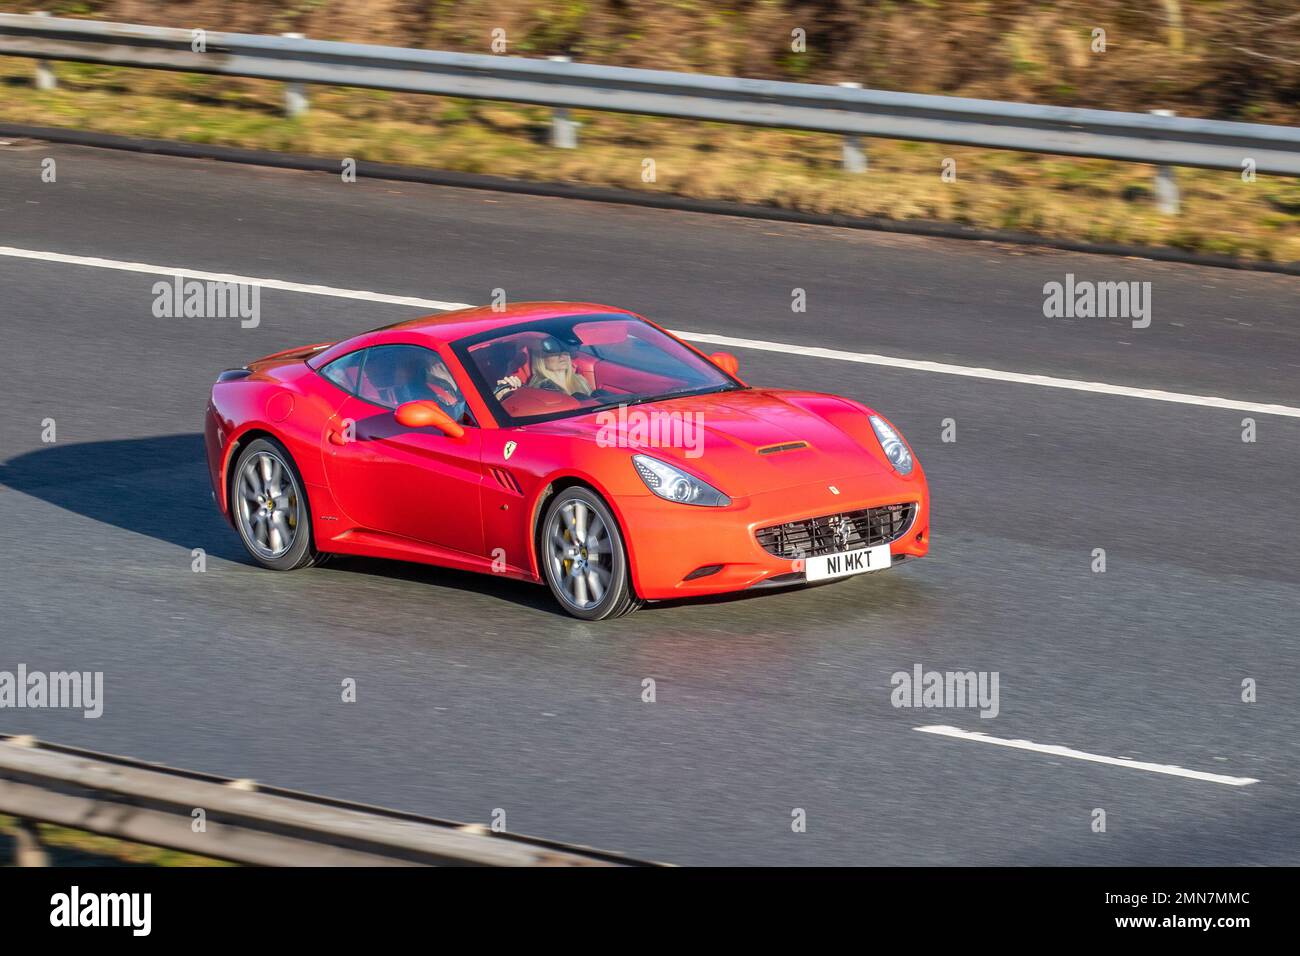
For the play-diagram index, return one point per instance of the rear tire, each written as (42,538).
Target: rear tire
(268,502)
(582,556)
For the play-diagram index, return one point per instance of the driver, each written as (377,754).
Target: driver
(553,369)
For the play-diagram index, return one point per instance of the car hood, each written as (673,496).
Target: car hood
(746,442)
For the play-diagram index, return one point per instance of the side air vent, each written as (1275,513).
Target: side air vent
(506,480)
(787,446)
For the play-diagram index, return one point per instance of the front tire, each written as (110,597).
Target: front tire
(268,501)
(583,557)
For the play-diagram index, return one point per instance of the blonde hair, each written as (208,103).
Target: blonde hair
(571,382)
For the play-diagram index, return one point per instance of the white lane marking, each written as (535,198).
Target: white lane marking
(279,284)
(703,338)
(1022,378)
(1057,751)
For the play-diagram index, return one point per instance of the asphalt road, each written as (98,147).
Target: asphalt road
(476,694)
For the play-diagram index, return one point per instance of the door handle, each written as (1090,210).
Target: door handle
(336,438)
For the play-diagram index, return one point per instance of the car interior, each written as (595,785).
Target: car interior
(593,344)
(391,375)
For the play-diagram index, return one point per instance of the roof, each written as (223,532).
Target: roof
(450,326)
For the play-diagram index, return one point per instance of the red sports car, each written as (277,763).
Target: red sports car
(575,444)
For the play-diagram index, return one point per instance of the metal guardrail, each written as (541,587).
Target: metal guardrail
(243,822)
(1132,137)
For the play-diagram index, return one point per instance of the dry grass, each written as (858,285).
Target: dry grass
(67,847)
(1057,197)
(1222,58)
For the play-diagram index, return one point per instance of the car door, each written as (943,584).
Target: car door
(413,482)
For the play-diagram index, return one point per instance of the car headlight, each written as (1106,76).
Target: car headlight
(895,449)
(672,484)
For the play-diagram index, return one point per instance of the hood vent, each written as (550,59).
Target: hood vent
(786,446)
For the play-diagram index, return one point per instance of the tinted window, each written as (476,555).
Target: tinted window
(345,371)
(391,375)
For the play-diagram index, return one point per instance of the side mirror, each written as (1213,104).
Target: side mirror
(427,414)
(726,361)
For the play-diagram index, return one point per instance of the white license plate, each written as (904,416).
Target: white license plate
(847,562)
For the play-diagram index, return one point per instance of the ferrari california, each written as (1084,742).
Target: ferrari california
(576,445)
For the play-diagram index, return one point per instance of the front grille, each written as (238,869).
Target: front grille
(840,532)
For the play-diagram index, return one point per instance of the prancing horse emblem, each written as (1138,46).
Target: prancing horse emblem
(510,449)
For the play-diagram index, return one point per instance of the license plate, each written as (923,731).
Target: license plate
(847,562)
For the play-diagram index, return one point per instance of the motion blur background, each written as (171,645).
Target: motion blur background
(1224,58)
(477,694)
(1233,60)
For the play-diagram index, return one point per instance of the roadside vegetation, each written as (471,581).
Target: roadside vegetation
(67,847)
(1229,59)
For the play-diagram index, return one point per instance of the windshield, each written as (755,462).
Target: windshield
(574,365)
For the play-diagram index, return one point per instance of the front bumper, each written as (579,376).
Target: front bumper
(668,541)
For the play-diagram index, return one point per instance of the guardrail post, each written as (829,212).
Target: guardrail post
(1167,199)
(564,131)
(45,77)
(853,153)
(295,94)
(27,840)
(27,845)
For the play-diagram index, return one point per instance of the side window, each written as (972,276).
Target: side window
(395,374)
(345,372)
